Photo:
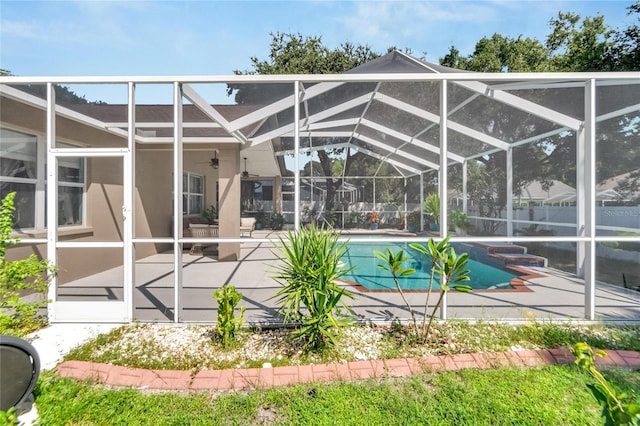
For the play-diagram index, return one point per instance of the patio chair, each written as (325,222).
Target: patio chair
(201,231)
(247,224)
(19,371)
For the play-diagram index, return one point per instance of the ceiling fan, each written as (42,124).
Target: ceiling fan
(245,173)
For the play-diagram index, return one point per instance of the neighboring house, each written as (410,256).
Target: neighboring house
(625,185)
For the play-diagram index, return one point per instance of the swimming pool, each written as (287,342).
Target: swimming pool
(368,275)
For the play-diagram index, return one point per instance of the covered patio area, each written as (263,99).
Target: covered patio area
(550,294)
(124,180)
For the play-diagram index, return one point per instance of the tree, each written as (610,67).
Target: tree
(624,53)
(578,48)
(64,95)
(573,44)
(505,54)
(298,54)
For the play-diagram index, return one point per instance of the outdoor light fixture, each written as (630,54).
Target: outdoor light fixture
(214,161)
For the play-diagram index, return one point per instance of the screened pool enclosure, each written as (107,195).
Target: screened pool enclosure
(537,175)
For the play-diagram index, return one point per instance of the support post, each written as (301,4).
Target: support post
(230,187)
(52,199)
(296,150)
(465,173)
(444,222)
(509,188)
(589,200)
(128,210)
(421,201)
(177,200)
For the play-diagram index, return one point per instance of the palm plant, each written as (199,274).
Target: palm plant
(445,264)
(393,263)
(308,269)
(450,267)
(210,214)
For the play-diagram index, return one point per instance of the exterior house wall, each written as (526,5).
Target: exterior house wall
(104,192)
(103,195)
(154,187)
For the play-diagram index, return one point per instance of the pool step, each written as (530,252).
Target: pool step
(523,259)
(512,255)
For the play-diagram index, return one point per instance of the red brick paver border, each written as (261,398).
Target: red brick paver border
(254,378)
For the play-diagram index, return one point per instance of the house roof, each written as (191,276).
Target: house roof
(396,62)
(115,115)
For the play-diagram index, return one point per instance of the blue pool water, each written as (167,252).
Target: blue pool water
(368,275)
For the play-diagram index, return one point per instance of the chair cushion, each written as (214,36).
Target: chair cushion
(247,222)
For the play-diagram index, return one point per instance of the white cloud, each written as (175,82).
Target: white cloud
(414,24)
(22,30)
(68,25)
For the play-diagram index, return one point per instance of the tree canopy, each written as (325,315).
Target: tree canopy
(573,44)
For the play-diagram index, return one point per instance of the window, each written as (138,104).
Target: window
(70,189)
(20,155)
(192,193)
(19,173)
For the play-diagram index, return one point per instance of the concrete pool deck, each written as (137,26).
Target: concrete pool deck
(549,294)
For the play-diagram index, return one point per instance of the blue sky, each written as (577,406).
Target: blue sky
(53,38)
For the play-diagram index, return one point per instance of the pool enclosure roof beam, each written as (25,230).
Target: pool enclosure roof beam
(34,101)
(522,104)
(487,85)
(193,96)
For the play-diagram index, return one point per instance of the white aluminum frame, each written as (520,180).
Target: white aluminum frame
(586,237)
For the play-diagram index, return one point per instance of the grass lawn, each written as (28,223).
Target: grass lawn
(555,395)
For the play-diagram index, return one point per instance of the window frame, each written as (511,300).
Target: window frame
(40,181)
(188,193)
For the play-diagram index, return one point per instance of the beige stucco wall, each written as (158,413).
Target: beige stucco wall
(154,184)
(104,192)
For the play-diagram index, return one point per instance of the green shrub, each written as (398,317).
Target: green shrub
(617,408)
(18,317)
(459,219)
(277,221)
(624,245)
(308,268)
(210,214)
(228,297)
(10,417)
